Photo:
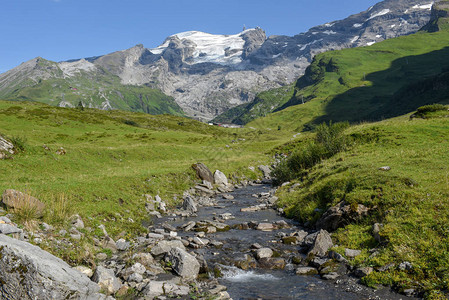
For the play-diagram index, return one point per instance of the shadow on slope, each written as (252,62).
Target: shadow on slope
(409,82)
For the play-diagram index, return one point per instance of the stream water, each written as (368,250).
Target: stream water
(258,283)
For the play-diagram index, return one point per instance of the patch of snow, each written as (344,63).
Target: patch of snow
(381,13)
(370,43)
(314,32)
(211,47)
(423,6)
(329,24)
(72,68)
(329,32)
(354,39)
(308,44)
(357,25)
(393,26)
(276,55)
(370,8)
(378,36)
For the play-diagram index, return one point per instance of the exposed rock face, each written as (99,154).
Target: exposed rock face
(203,172)
(208,74)
(28,272)
(341,215)
(18,200)
(6,147)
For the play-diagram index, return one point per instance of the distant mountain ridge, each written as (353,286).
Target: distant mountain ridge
(208,74)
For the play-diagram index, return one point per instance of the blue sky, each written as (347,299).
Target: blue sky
(66,29)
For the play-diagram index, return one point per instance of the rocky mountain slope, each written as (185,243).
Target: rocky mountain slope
(208,74)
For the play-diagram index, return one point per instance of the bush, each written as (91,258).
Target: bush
(431,108)
(329,141)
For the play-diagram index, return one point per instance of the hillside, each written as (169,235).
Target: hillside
(112,158)
(69,84)
(385,80)
(392,173)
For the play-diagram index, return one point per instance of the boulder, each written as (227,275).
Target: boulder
(18,200)
(350,253)
(264,253)
(272,263)
(306,271)
(106,280)
(363,271)
(183,263)
(85,270)
(109,243)
(28,272)
(203,172)
(157,288)
(265,227)
(220,178)
(189,204)
(165,246)
(377,227)
(322,243)
(341,215)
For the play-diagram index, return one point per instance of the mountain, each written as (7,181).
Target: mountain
(67,84)
(208,74)
(385,80)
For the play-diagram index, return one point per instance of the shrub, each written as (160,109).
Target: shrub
(329,141)
(431,108)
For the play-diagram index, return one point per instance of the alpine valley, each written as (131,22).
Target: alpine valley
(203,75)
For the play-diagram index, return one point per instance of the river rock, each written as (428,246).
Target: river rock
(165,246)
(189,204)
(158,288)
(266,171)
(106,280)
(145,259)
(272,263)
(265,227)
(204,191)
(322,243)
(28,272)
(203,172)
(183,263)
(306,271)
(363,271)
(227,197)
(264,253)
(341,215)
(17,200)
(220,178)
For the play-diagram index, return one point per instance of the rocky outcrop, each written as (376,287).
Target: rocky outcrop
(6,148)
(17,200)
(341,215)
(203,172)
(28,272)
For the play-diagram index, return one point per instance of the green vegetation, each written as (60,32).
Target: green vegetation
(99,89)
(388,79)
(265,103)
(410,200)
(112,158)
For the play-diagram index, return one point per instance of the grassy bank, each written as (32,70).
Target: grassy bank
(113,158)
(410,200)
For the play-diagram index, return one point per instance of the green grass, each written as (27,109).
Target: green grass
(411,200)
(265,103)
(115,157)
(388,79)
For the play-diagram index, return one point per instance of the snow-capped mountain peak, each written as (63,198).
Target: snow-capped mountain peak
(209,48)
